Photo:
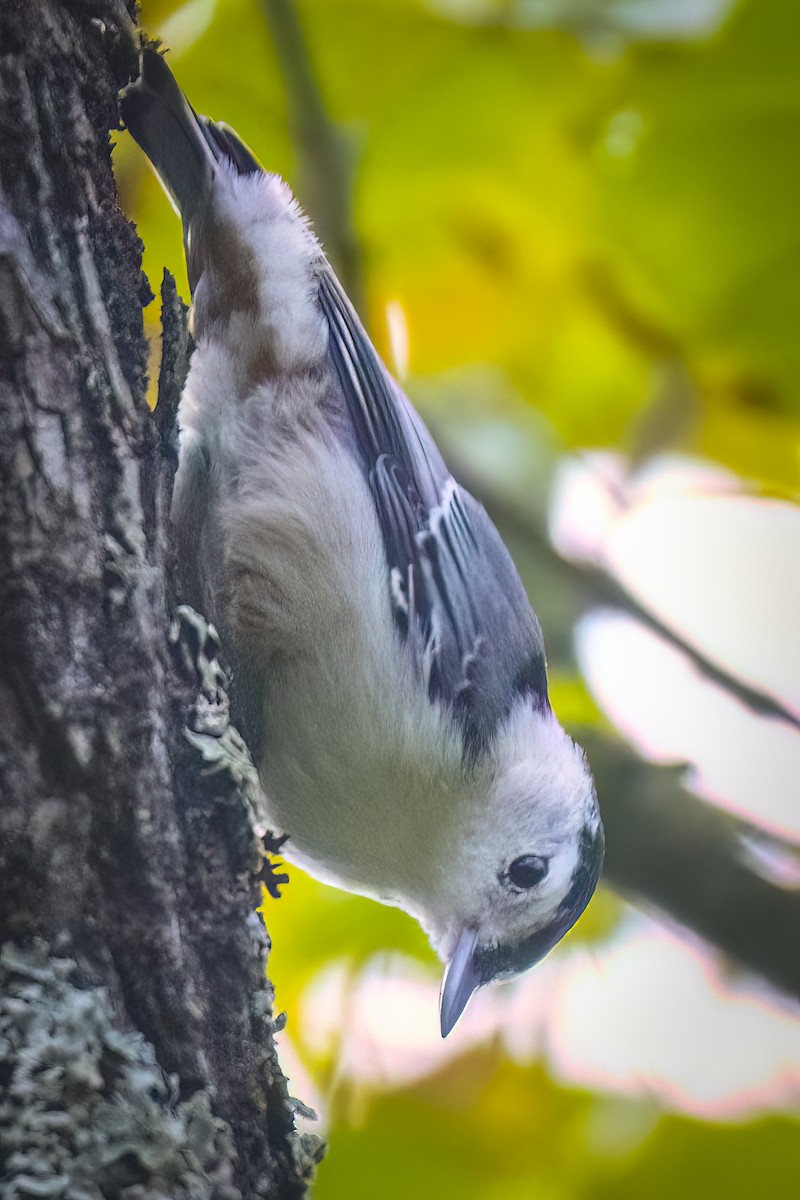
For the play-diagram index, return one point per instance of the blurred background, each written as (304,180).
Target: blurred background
(573,229)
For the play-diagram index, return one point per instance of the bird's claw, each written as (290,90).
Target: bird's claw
(268,875)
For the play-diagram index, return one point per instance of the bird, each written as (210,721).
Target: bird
(387,668)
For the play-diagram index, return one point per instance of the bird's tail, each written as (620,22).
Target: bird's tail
(185,149)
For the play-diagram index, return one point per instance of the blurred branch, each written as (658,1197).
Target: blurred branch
(664,845)
(325,153)
(596,589)
(685,856)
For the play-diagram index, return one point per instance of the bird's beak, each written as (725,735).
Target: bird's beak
(460,981)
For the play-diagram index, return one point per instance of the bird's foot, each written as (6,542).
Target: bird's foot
(269,874)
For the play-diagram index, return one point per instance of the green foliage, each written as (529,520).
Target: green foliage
(85,1110)
(573,214)
(484,1132)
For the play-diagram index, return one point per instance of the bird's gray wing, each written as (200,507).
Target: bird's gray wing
(457,600)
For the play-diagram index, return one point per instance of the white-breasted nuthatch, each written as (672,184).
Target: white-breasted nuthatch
(388,669)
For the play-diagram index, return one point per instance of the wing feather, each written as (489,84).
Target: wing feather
(457,600)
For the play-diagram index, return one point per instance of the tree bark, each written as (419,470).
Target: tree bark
(136,1022)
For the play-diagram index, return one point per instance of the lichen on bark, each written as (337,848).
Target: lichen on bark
(86,1112)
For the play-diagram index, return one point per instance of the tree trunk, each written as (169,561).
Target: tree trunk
(136,1026)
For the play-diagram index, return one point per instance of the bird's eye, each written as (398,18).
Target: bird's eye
(527,871)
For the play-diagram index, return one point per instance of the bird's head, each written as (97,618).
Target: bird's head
(527,866)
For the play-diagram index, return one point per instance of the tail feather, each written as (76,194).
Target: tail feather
(184,149)
(226,144)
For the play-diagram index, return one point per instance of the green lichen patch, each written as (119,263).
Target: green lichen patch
(85,1111)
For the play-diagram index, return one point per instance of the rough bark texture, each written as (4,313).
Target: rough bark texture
(136,1049)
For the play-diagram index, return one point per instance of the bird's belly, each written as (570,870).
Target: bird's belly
(342,765)
(353,756)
